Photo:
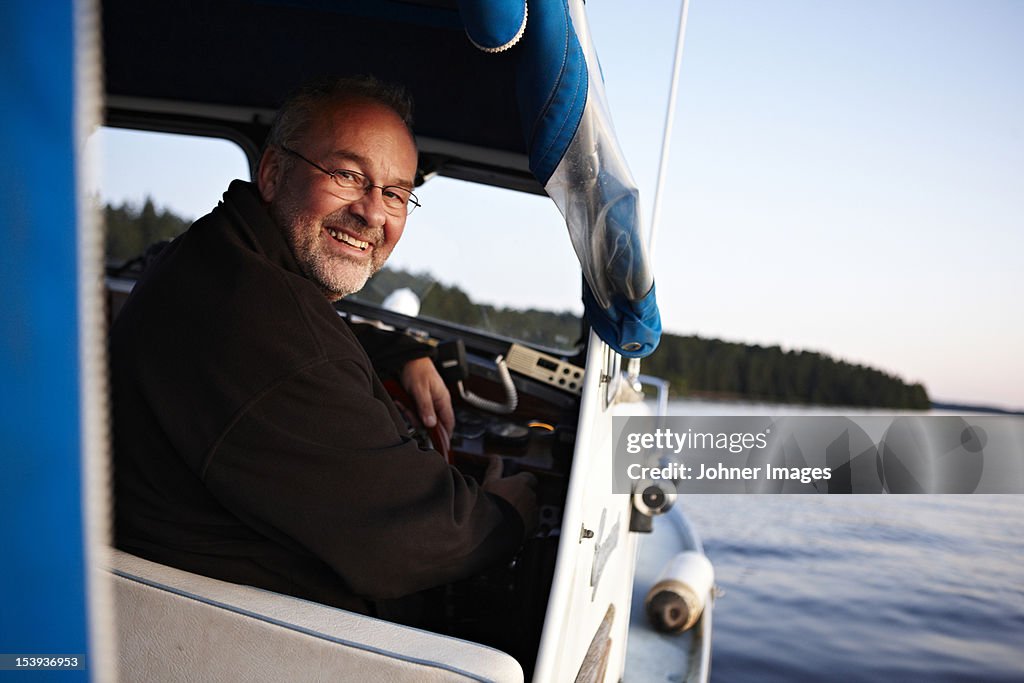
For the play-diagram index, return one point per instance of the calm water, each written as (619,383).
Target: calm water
(863,588)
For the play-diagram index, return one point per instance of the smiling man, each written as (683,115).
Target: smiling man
(340,231)
(253,439)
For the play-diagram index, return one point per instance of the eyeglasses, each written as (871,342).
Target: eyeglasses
(398,201)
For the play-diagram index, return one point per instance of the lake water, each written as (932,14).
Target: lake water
(862,588)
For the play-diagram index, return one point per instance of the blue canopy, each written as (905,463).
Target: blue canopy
(575,156)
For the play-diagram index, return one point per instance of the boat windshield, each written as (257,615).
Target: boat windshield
(150,186)
(492,259)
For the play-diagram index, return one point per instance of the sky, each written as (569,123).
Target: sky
(844,176)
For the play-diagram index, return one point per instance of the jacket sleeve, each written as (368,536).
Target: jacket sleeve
(318,461)
(389,351)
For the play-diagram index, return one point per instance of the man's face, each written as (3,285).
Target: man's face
(340,243)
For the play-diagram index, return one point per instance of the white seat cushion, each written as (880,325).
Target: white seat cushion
(178,626)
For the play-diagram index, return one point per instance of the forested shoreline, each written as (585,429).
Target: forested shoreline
(713,368)
(694,366)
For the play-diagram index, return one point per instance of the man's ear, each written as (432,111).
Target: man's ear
(269,175)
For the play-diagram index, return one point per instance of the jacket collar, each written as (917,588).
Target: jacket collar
(249,213)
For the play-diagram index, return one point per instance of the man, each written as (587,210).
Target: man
(253,440)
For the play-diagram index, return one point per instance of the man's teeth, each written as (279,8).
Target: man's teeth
(347,239)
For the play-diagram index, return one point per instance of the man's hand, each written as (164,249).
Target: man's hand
(519,490)
(428,392)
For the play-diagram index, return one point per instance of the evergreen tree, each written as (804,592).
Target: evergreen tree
(131,229)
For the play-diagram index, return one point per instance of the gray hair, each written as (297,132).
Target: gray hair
(296,113)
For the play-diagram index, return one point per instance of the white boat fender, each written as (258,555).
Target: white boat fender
(677,599)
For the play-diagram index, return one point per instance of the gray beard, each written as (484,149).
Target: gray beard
(337,276)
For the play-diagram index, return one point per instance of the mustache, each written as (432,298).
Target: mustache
(355,225)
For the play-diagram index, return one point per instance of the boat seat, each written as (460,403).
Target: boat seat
(173,625)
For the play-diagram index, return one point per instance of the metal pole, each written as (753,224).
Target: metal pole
(670,111)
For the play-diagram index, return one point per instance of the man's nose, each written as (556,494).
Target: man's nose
(370,207)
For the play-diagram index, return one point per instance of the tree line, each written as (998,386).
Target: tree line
(132,227)
(715,368)
(694,366)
